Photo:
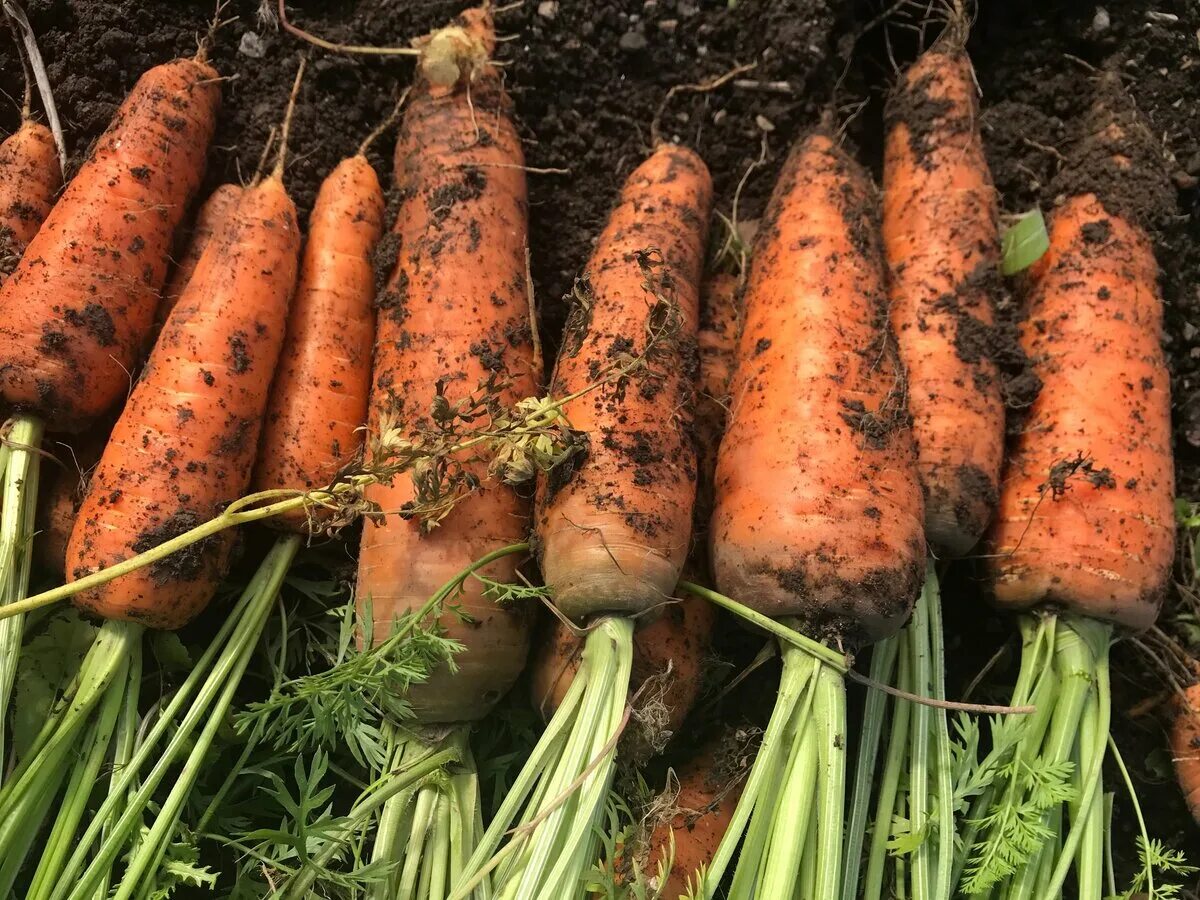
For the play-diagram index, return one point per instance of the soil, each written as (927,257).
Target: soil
(592,78)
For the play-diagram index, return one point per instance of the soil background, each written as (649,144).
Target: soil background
(589,77)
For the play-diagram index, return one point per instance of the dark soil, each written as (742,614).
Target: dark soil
(589,78)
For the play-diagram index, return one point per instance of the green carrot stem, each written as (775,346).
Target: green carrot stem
(883,666)
(830,717)
(20,462)
(214,678)
(61,839)
(921,862)
(944,787)
(889,787)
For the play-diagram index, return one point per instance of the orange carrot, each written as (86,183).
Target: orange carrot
(942,243)
(454,313)
(211,215)
(818,511)
(717,341)
(30,177)
(185,443)
(1086,518)
(614,533)
(1185,747)
(319,398)
(671,648)
(75,312)
(709,787)
(61,494)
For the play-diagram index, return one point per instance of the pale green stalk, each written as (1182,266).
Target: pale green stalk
(945,822)
(830,717)
(919,780)
(20,463)
(889,790)
(883,665)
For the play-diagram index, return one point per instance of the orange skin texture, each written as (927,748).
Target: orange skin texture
(942,243)
(319,399)
(819,511)
(720,322)
(60,491)
(678,638)
(1185,747)
(30,176)
(614,537)
(185,443)
(707,802)
(209,217)
(75,313)
(1093,330)
(454,308)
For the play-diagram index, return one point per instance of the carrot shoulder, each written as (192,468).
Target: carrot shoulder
(454,310)
(613,533)
(819,511)
(30,177)
(186,441)
(942,243)
(1086,517)
(76,311)
(318,402)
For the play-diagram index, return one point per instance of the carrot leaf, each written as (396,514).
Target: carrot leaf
(1024,243)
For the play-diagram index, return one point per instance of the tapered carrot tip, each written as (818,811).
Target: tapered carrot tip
(1086,517)
(1185,748)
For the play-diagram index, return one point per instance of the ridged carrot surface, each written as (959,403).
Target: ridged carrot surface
(1086,519)
(186,441)
(941,238)
(319,399)
(614,531)
(76,312)
(455,309)
(819,511)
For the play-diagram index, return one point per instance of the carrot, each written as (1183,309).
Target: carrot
(319,399)
(1185,747)
(614,537)
(454,312)
(818,511)
(671,650)
(212,213)
(61,495)
(30,177)
(75,311)
(1086,512)
(942,244)
(183,446)
(1084,532)
(709,788)
(614,529)
(717,341)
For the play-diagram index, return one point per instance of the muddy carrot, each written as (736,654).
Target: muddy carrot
(720,325)
(186,441)
(30,178)
(818,513)
(209,217)
(613,527)
(941,238)
(1185,747)
(1084,532)
(318,402)
(454,309)
(75,311)
(61,495)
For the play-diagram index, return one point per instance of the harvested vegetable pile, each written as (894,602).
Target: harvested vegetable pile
(614,449)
